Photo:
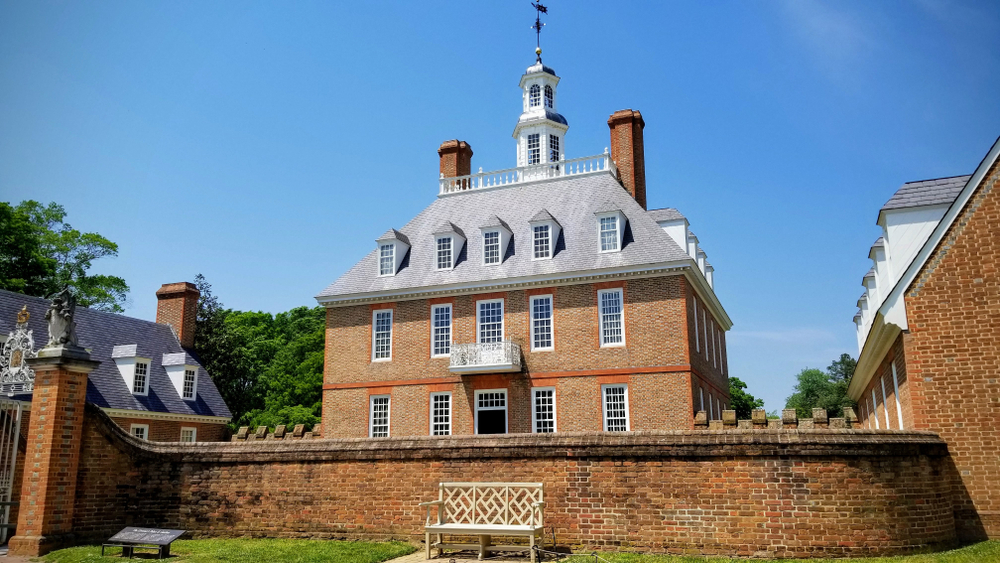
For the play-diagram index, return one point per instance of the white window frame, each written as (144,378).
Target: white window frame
(600,316)
(451,332)
(701,397)
(885,402)
(555,148)
(715,347)
(895,387)
(875,410)
(439,250)
(534,96)
(711,412)
(506,412)
(371,415)
(147,367)
(143,427)
(704,326)
(499,247)
(392,260)
(604,406)
(534,409)
(697,337)
(194,434)
(375,333)
(194,384)
(549,96)
(552,322)
(537,138)
(503,319)
(616,233)
(534,239)
(451,412)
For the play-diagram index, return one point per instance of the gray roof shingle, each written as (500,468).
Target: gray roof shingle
(102,333)
(572,200)
(665,214)
(940,191)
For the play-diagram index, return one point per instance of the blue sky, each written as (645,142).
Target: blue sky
(266,145)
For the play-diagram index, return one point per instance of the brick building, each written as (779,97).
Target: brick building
(929,325)
(148,380)
(543,298)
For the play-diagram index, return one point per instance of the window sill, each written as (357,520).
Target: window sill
(381,360)
(622,345)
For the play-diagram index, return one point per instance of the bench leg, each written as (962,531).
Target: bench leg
(484,543)
(531,543)
(427,544)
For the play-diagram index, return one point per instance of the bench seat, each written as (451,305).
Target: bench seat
(487,529)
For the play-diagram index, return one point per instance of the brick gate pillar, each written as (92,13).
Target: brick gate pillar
(52,455)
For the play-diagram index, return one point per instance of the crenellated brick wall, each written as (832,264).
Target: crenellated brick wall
(778,493)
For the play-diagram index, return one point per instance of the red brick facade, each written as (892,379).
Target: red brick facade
(177,306)
(658,362)
(170,430)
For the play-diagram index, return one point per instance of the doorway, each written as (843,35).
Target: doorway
(491,411)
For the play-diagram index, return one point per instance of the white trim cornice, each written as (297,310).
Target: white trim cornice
(881,337)
(131,413)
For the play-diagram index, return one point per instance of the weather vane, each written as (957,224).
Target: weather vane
(539,10)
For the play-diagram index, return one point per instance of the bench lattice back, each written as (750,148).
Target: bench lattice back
(509,504)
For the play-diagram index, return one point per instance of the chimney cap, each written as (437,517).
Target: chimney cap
(173,289)
(623,115)
(454,145)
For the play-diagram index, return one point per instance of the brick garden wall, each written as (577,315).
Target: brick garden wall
(753,492)
(170,430)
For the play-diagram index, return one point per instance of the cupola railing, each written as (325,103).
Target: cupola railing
(600,164)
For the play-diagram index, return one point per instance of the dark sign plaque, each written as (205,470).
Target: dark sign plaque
(148,536)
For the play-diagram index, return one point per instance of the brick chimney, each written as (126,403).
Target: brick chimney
(177,306)
(456,158)
(626,150)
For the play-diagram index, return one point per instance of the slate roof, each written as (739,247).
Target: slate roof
(941,191)
(101,333)
(665,214)
(572,201)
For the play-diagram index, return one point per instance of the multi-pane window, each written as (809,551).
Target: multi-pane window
(491,247)
(612,333)
(543,409)
(609,233)
(491,411)
(542,239)
(140,431)
(441,330)
(534,96)
(386,259)
(444,253)
(553,148)
(189,434)
(490,321)
(440,414)
(141,378)
(541,322)
(534,149)
(379,416)
(615,408)
(382,335)
(188,387)
(548,96)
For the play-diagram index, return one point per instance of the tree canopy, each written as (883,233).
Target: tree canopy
(40,254)
(823,389)
(741,401)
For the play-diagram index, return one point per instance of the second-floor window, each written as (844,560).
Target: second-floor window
(382,335)
(189,379)
(609,234)
(541,322)
(542,241)
(490,321)
(140,431)
(534,149)
(612,327)
(553,148)
(440,414)
(491,247)
(441,337)
(189,434)
(386,260)
(141,378)
(379,416)
(444,253)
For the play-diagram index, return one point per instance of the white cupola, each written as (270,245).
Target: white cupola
(541,130)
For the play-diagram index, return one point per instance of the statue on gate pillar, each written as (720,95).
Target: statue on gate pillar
(62,327)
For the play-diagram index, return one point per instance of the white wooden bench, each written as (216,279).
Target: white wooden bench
(486,510)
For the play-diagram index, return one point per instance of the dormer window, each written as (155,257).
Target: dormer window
(534,96)
(386,260)
(491,247)
(548,96)
(133,367)
(140,378)
(182,370)
(609,234)
(190,378)
(542,241)
(444,253)
(534,149)
(610,228)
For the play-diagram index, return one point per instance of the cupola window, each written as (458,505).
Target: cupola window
(534,96)
(548,96)
(444,253)
(534,150)
(387,260)
(553,148)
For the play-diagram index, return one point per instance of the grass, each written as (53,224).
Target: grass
(983,552)
(245,550)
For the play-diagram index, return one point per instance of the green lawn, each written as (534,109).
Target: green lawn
(984,552)
(252,551)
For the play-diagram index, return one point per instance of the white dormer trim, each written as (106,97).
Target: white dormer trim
(505,236)
(457,238)
(620,221)
(399,248)
(554,230)
(177,366)
(126,359)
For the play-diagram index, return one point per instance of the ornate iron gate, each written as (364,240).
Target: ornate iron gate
(10,434)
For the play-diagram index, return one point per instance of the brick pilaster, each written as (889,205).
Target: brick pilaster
(52,455)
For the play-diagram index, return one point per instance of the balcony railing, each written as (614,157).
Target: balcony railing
(490,357)
(601,163)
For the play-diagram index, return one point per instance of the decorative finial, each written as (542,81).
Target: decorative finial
(23,315)
(539,10)
(62,327)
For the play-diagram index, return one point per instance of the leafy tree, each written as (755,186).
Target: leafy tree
(47,254)
(742,402)
(819,389)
